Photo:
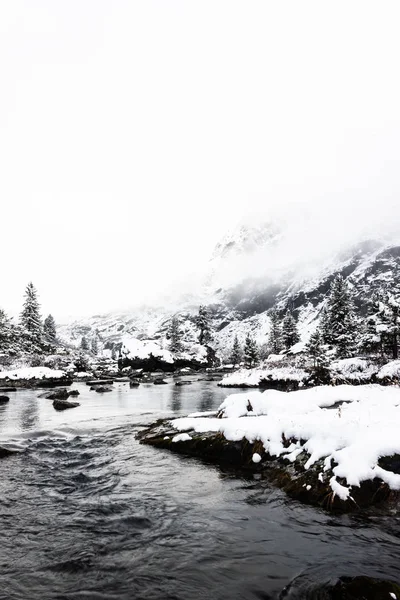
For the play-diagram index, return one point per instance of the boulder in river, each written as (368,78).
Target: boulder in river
(8,389)
(134,383)
(93,382)
(180,383)
(64,404)
(4,399)
(159,381)
(101,389)
(73,393)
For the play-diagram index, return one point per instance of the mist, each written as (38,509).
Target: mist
(134,136)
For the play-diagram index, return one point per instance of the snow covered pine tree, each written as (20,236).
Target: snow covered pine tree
(250,351)
(31,323)
(236,352)
(339,321)
(174,333)
(290,335)
(203,323)
(49,330)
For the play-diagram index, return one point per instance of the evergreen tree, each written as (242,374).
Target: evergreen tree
(290,334)
(203,323)
(275,334)
(49,330)
(174,335)
(94,346)
(340,324)
(389,323)
(6,333)
(250,351)
(31,322)
(372,329)
(236,352)
(84,344)
(316,349)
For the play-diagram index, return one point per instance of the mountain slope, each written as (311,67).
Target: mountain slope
(251,271)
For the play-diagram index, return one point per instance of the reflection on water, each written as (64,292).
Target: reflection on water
(29,413)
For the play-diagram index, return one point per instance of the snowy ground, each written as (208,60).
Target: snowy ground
(350,438)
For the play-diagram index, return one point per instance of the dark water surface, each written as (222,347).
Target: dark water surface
(88,513)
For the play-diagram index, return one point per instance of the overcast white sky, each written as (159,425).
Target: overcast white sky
(134,133)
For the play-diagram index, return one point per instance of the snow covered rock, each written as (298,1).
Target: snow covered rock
(36,377)
(151,356)
(332,445)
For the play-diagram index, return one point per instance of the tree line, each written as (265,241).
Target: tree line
(343,330)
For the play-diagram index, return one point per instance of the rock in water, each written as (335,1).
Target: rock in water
(133,383)
(4,399)
(183,383)
(159,381)
(73,393)
(100,389)
(64,404)
(8,389)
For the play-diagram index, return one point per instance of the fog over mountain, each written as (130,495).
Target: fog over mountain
(134,136)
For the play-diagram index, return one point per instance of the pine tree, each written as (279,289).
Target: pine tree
(174,335)
(6,333)
(250,351)
(340,325)
(290,334)
(236,352)
(94,346)
(84,344)
(389,323)
(203,323)
(316,349)
(49,330)
(371,339)
(275,334)
(31,322)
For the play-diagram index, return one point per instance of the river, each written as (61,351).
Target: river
(88,513)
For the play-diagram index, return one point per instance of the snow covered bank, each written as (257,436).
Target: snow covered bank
(350,438)
(331,446)
(289,377)
(266,377)
(35,377)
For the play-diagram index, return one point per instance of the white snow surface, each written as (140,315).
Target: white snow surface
(32,373)
(252,377)
(134,348)
(391,369)
(355,437)
(353,369)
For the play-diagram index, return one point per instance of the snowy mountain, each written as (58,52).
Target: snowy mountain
(255,267)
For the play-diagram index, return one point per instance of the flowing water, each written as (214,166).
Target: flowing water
(88,513)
